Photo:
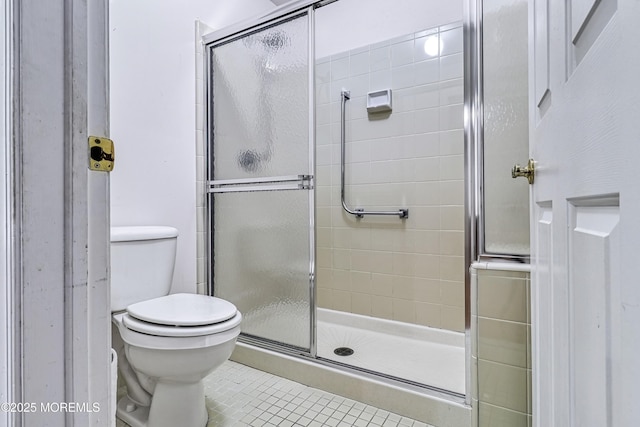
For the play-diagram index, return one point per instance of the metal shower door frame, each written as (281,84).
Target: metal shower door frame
(305,182)
(472,103)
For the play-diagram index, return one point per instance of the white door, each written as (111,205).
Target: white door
(585,139)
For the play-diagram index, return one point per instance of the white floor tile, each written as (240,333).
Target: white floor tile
(255,398)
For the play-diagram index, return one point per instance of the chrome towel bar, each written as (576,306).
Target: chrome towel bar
(402,213)
(291,182)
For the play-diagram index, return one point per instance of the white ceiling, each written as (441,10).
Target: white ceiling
(279,2)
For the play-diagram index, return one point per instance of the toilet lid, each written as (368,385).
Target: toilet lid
(148,328)
(183,310)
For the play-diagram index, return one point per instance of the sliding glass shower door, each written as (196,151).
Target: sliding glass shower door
(261,179)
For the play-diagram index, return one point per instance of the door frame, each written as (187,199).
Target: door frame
(8,384)
(55,228)
(251,24)
(474,141)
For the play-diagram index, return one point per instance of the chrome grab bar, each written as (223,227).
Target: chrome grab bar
(402,213)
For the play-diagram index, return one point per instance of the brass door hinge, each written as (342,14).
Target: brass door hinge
(101,154)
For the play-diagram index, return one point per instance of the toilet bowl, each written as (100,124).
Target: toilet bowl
(166,344)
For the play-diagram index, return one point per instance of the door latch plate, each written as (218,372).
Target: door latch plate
(101,154)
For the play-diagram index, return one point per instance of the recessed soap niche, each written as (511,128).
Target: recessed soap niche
(379,101)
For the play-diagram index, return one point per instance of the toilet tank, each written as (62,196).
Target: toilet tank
(142,262)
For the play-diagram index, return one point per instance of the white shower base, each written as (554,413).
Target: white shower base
(430,356)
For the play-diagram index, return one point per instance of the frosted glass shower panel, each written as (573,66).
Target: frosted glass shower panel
(506,140)
(260,103)
(261,262)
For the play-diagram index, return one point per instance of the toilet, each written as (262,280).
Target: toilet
(166,344)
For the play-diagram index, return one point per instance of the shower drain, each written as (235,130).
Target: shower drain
(343,351)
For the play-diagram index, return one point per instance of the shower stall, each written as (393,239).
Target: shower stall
(341,185)
(337,229)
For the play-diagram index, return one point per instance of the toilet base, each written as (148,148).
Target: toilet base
(131,413)
(172,404)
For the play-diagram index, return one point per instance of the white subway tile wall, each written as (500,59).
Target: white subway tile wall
(410,270)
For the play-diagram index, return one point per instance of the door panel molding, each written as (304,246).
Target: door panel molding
(593,253)
(581,12)
(541,49)
(542,315)
(586,19)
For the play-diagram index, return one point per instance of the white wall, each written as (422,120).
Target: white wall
(153,97)
(349,24)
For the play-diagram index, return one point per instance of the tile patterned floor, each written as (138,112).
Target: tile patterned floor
(240,396)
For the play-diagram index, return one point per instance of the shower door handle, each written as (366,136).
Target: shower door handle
(292,182)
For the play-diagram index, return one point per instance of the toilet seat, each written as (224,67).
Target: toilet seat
(153,340)
(181,315)
(178,331)
(183,310)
